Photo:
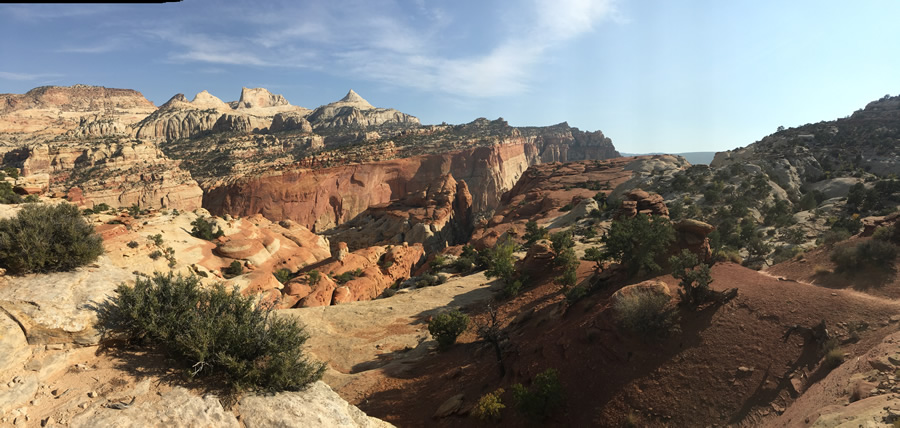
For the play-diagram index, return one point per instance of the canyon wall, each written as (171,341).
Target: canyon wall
(324,198)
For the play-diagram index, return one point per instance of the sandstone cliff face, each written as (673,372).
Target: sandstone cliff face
(324,198)
(436,217)
(562,143)
(177,118)
(118,174)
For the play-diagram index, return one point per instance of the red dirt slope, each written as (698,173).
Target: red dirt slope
(729,365)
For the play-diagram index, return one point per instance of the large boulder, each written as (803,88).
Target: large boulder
(315,407)
(538,259)
(638,201)
(652,286)
(176,408)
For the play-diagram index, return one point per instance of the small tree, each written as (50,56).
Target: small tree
(594,254)
(234,269)
(501,264)
(446,327)
(694,276)
(638,241)
(533,233)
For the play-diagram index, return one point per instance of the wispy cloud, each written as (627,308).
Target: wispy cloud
(104,46)
(6,75)
(43,12)
(381,40)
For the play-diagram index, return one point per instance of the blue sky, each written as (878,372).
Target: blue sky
(668,76)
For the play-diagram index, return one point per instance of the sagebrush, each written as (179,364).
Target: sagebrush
(214,331)
(47,238)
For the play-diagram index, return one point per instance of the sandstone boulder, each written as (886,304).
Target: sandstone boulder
(315,407)
(177,408)
(653,287)
(538,259)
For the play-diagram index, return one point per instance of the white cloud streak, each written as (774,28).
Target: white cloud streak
(6,75)
(393,44)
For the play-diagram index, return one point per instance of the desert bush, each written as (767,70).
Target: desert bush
(437,263)
(727,255)
(313,277)
(47,238)
(645,313)
(834,236)
(7,195)
(543,398)
(234,269)
(203,229)
(489,406)
(133,244)
(347,276)
(576,293)
(566,208)
(785,253)
(638,241)
(868,253)
(694,276)
(283,275)
(11,171)
(214,331)
(156,239)
(155,254)
(430,280)
(446,327)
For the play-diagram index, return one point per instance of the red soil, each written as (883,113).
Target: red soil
(689,379)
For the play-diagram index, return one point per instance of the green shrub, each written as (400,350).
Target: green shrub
(283,275)
(694,276)
(203,229)
(11,171)
(576,293)
(489,406)
(156,239)
(313,277)
(645,313)
(533,233)
(566,208)
(638,241)
(500,264)
(133,244)
(543,398)
(873,252)
(446,327)
(156,254)
(7,195)
(437,263)
(834,236)
(234,269)
(213,331)
(47,238)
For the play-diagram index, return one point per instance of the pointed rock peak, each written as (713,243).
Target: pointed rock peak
(177,101)
(260,97)
(354,100)
(206,100)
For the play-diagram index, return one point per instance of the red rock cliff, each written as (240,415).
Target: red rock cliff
(321,199)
